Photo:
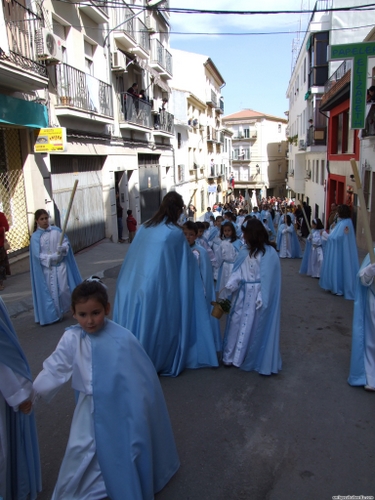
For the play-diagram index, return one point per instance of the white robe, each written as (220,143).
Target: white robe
(369,328)
(14,390)
(286,242)
(243,319)
(55,276)
(80,477)
(315,262)
(225,256)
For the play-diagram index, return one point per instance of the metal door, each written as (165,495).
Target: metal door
(149,187)
(86,224)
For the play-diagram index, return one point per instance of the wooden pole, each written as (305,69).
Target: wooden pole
(68,211)
(306,219)
(362,204)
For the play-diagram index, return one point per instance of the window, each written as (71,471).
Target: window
(89,54)
(279,168)
(180,173)
(179,141)
(318,58)
(342,136)
(279,147)
(246,133)
(246,154)
(279,128)
(304,70)
(322,166)
(203,204)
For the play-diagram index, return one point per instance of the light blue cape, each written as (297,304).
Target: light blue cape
(44,307)
(357,374)
(296,247)
(23,465)
(160,298)
(340,265)
(263,353)
(205,268)
(135,444)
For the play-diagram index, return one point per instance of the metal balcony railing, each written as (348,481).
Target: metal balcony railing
(157,52)
(80,90)
(164,121)
(22,26)
(143,36)
(168,62)
(338,74)
(134,110)
(120,16)
(102,5)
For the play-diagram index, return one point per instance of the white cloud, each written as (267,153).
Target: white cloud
(243,23)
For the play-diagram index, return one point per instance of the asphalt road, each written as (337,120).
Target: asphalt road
(303,434)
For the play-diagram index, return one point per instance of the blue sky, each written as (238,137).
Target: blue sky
(256,68)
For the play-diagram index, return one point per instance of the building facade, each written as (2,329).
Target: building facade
(259,153)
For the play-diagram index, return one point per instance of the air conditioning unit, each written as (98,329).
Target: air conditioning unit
(48,45)
(151,24)
(118,61)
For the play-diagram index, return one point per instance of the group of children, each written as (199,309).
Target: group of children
(115,375)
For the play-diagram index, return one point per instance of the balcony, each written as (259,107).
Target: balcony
(212,135)
(142,36)
(219,108)
(20,68)
(316,136)
(215,170)
(82,95)
(134,112)
(95,9)
(125,35)
(338,75)
(212,100)
(161,59)
(164,123)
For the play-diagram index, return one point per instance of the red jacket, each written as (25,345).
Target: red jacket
(131,223)
(4,227)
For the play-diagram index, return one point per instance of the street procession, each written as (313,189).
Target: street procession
(187,295)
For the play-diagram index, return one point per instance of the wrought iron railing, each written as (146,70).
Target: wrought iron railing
(338,74)
(134,110)
(164,121)
(143,36)
(102,5)
(80,90)
(157,52)
(168,62)
(120,16)
(22,27)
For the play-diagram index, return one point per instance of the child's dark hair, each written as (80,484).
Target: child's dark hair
(200,225)
(255,236)
(89,289)
(38,214)
(318,223)
(129,212)
(287,220)
(206,225)
(189,224)
(228,224)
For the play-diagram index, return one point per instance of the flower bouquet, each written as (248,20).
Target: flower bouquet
(221,306)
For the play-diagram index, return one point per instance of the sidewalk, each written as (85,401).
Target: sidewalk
(94,260)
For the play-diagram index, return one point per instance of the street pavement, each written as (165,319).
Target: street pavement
(302,434)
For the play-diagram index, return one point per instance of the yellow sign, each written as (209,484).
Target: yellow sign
(50,139)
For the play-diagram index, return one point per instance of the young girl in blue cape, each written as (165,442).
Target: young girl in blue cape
(251,339)
(19,452)
(53,271)
(287,240)
(313,255)
(226,253)
(121,443)
(205,268)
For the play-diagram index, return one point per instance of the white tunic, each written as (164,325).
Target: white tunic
(315,262)
(244,316)
(80,477)
(14,390)
(286,242)
(369,328)
(225,257)
(55,275)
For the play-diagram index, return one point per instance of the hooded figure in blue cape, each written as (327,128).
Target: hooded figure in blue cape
(340,264)
(205,269)
(121,443)
(362,362)
(160,295)
(53,270)
(251,339)
(20,477)
(287,240)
